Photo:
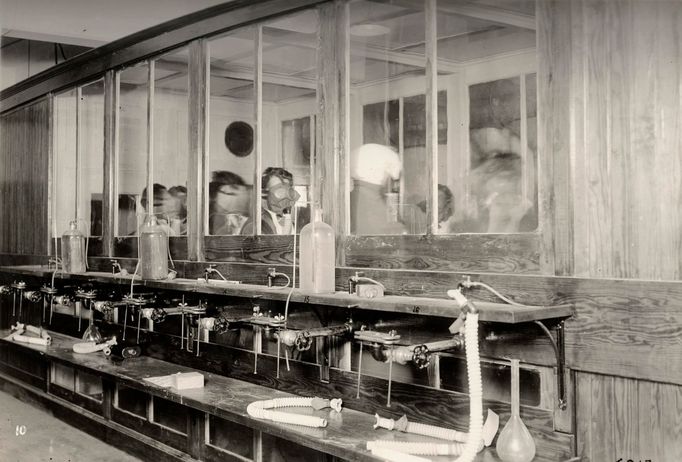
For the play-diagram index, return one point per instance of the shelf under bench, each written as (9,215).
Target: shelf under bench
(488,311)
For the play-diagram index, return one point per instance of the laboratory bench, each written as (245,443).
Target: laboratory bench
(111,397)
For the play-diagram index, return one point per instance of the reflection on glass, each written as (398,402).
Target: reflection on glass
(91,156)
(89,385)
(487,165)
(171,140)
(230,436)
(232,161)
(387,116)
(132,154)
(65,161)
(289,102)
(64,376)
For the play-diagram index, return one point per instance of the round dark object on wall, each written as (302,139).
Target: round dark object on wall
(239,138)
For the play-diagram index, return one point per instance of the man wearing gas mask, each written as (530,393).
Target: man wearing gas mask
(279,199)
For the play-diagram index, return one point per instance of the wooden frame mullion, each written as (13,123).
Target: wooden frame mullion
(430,14)
(109,202)
(199,91)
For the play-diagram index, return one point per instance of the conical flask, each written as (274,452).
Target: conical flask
(515,444)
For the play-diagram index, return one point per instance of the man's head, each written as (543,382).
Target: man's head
(375,164)
(179,202)
(163,202)
(228,193)
(278,190)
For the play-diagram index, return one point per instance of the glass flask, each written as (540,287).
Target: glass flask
(92,333)
(515,443)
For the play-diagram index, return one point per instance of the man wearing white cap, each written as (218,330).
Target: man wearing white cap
(371,166)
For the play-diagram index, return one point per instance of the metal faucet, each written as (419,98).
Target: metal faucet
(211,269)
(353,282)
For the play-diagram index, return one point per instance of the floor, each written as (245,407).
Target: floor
(30,434)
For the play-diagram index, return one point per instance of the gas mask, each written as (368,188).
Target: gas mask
(281,197)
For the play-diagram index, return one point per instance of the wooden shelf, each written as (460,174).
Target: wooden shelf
(488,312)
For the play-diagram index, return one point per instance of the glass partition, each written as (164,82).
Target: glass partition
(65,156)
(170,158)
(388,156)
(132,149)
(487,175)
(232,123)
(79,159)
(91,156)
(288,106)
(290,96)
(485,109)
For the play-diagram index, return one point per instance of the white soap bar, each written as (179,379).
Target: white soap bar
(186,380)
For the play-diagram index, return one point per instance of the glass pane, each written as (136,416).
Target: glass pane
(170,414)
(231,162)
(89,385)
(91,138)
(64,376)
(171,140)
(290,98)
(281,450)
(131,400)
(132,148)
(487,180)
(230,436)
(387,117)
(65,161)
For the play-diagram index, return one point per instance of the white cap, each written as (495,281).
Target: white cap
(373,163)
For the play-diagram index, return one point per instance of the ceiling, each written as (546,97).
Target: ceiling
(89,23)
(387,39)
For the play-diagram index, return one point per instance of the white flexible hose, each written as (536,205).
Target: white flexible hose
(20,328)
(92,347)
(490,427)
(392,455)
(475,389)
(31,340)
(416,447)
(262,410)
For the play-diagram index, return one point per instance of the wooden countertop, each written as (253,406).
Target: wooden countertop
(488,312)
(345,435)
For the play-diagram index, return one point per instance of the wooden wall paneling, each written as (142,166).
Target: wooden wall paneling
(24,154)
(628,419)
(618,69)
(596,150)
(656,112)
(495,253)
(269,249)
(626,137)
(554,187)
